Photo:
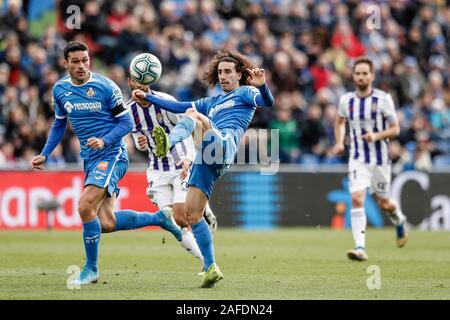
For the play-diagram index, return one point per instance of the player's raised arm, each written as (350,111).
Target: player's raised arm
(257,78)
(166,104)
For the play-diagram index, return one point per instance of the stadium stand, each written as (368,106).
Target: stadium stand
(307,48)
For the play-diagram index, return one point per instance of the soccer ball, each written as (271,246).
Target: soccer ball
(145,69)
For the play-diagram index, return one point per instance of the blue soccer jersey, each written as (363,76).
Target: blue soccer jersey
(232,112)
(90,107)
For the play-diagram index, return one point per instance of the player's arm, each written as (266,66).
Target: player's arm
(391,132)
(56,133)
(339,135)
(54,138)
(257,78)
(140,141)
(166,104)
(121,113)
(124,126)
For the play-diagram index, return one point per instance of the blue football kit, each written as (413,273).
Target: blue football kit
(95,109)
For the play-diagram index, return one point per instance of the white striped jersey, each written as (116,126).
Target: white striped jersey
(145,119)
(369,114)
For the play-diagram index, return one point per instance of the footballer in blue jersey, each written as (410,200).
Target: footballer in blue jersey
(94,106)
(222,121)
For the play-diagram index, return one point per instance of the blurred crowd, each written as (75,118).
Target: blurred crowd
(306,47)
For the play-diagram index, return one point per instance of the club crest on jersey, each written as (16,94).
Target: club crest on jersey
(90,92)
(102,165)
(159,118)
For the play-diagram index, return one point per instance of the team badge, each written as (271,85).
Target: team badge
(102,165)
(159,118)
(90,92)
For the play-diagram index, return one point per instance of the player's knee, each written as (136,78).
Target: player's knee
(357,201)
(85,208)
(385,205)
(193,215)
(181,220)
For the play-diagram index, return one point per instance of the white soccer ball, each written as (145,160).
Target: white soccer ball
(145,69)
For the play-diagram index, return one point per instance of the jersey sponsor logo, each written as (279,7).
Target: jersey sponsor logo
(68,93)
(226,105)
(90,92)
(68,106)
(103,165)
(84,106)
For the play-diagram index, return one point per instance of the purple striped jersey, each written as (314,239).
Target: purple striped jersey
(145,119)
(373,113)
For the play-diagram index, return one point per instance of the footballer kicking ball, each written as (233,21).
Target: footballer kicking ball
(145,69)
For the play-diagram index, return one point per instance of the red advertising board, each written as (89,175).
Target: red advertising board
(21,192)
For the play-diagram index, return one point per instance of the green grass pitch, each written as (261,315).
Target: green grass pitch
(297,263)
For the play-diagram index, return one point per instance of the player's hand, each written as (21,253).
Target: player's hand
(38,162)
(370,137)
(256,77)
(138,95)
(95,143)
(338,149)
(142,142)
(185,167)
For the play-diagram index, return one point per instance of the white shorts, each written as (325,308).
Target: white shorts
(362,176)
(166,187)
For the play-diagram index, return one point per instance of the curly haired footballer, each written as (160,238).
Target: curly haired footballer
(242,63)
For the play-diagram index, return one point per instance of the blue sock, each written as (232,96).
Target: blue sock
(182,130)
(91,238)
(204,239)
(130,219)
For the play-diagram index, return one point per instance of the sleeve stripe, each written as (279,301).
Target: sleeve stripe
(60,117)
(122,113)
(254,99)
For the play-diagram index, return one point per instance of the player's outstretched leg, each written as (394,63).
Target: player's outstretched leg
(184,128)
(188,242)
(130,219)
(210,218)
(161,141)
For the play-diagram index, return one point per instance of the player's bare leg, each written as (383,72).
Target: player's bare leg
(106,214)
(195,206)
(396,216)
(359,223)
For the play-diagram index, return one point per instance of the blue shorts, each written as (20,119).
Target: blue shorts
(106,172)
(207,167)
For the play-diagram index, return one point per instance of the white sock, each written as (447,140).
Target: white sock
(397,216)
(188,242)
(359,222)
